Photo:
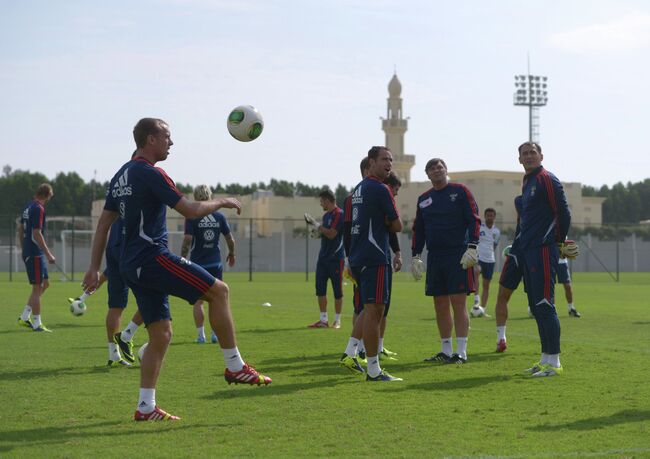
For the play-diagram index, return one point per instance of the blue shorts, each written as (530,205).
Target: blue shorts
(166,274)
(118,291)
(445,275)
(36,269)
(216,271)
(563,275)
(374,283)
(356,299)
(333,271)
(487,269)
(539,264)
(511,273)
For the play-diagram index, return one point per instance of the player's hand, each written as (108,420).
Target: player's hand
(51,259)
(231,259)
(417,267)
(231,203)
(470,257)
(569,249)
(506,251)
(397,262)
(311,221)
(314,233)
(90,282)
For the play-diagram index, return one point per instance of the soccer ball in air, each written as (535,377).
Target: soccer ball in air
(245,123)
(77,308)
(141,351)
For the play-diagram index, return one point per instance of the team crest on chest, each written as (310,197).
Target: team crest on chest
(355,213)
(532,191)
(453,197)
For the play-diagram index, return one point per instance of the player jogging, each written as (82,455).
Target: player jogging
(330,262)
(202,237)
(543,222)
(447,221)
(31,235)
(139,194)
(487,243)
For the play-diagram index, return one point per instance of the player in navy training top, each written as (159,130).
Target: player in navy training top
(447,221)
(202,238)
(139,194)
(543,223)
(330,264)
(374,215)
(31,237)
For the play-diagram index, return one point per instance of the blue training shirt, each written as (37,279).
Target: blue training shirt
(446,220)
(545,216)
(205,232)
(332,249)
(372,208)
(140,193)
(33,217)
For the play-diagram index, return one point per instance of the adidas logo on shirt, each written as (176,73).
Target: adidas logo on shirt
(121,186)
(356,196)
(208,222)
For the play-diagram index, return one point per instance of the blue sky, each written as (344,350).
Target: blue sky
(77,75)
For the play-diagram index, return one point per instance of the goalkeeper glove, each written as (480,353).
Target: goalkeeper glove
(417,267)
(568,249)
(314,233)
(311,221)
(470,257)
(347,273)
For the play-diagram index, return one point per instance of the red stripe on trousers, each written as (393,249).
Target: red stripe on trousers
(379,296)
(37,270)
(547,273)
(188,277)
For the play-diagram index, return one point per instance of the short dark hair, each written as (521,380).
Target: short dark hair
(146,127)
(44,190)
(364,165)
(373,153)
(489,209)
(393,180)
(327,194)
(535,145)
(432,162)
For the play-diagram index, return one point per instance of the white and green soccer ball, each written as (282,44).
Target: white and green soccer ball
(78,308)
(245,123)
(141,351)
(477,311)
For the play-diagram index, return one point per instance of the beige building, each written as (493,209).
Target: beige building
(395,126)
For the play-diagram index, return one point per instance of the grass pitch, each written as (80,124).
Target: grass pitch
(59,400)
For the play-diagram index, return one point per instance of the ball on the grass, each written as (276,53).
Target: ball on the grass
(78,308)
(141,351)
(245,123)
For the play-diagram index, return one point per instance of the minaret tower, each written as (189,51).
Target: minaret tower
(394,125)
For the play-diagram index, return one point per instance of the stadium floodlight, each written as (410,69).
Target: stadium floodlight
(531,91)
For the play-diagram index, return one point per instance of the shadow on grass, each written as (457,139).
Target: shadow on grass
(622,417)
(452,384)
(283,389)
(68,325)
(270,330)
(11,439)
(50,372)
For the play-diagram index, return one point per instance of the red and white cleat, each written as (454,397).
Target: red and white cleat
(319,324)
(502,346)
(247,375)
(156,415)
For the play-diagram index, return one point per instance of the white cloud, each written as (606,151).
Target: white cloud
(630,32)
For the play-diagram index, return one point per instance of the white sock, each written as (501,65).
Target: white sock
(147,401)
(323,317)
(373,367)
(129,331)
(461,346)
(569,306)
(337,318)
(232,359)
(26,313)
(114,352)
(554,360)
(36,320)
(362,347)
(544,359)
(501,333)
(381,344)
(200,332)
(447,346)
(477,299)
(353,345)
(83,297)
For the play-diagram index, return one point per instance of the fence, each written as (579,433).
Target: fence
(284,245)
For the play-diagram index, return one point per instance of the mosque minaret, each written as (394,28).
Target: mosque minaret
(395,126)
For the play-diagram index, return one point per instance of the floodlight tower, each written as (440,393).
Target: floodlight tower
(530,91)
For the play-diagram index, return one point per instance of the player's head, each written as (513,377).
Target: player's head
(489,214)
(393,182)
(44,192)
(380,162)
(436,170)
(152,135)
(327,200)
(530,155)
(202,193)
(365,167)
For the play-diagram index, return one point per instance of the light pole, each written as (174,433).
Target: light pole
(530,91)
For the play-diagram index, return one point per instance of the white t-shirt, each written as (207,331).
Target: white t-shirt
(488,238)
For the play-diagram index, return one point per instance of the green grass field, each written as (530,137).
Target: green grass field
(59,400)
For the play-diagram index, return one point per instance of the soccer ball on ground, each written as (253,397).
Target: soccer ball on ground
(477,311)
(245,123)
(77,307)
(141,351)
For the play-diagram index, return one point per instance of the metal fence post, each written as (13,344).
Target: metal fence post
(250,250)
(72,257)
(306,252)
(12,229)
